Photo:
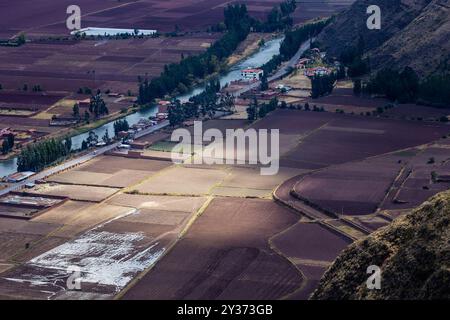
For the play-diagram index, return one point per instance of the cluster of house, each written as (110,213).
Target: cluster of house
(6,132)
(314,55)
(317,71)
(20,135)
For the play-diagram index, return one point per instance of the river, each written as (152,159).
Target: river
(264,54)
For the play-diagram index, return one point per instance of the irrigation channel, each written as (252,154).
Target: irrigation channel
(264,54)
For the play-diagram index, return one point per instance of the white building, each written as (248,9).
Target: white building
(109,32)
(252,74)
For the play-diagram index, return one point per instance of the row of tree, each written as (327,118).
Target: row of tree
(278,18)
(179,77)
(206,103)
(257,111)
(184,74)
(37,156)
(353,59)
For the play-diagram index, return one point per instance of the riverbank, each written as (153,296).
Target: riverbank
(74,131)
(250,46)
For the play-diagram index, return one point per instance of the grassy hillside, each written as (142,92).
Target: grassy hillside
(413,33)
(413,253)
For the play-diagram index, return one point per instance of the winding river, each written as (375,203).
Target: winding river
(264,54)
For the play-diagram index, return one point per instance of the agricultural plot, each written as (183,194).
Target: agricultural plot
(248,182)
(348,138)
(76,192)
(116,258)
(310,241)
(117,63)
(311,248)
(114,243)
(22,240)
(416,112)
(24,101)
(225,255)
(110,171)
(147,14)
(63,214)
(372,222)
(426,174)
(64,108)
(345,99)
(182,180)
(160,203)
(310,10)
(355,188)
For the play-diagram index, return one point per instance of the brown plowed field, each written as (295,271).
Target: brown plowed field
(310,241)
(225,255)
(352,188)
(117,63)
(329,138)
(48,17)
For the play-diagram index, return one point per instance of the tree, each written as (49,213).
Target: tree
(5,147)
(21,39)
(264,83)
(39,155)
(120,125)
(37,88)
(402,86)
(68,144)
(226,102)
(357,87)
(252,110)
(322,85)
(84,145)
(436,90)
(238,24)
(176,113)
(8,143)
(92,139)
(106,139)
(341,74)
(76,110)
(97,106)
(86,116)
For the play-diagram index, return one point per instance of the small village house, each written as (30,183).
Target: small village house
(252,74)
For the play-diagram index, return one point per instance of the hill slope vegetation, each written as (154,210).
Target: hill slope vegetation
(413,33)
(413,253)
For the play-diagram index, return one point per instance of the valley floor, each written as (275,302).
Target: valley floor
(145,228)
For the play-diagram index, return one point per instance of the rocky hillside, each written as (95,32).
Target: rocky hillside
(413,33)
(413,253)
